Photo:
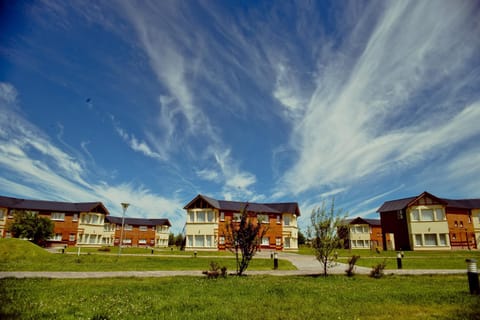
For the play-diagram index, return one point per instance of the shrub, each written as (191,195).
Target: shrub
(351,265)
(377,270)
(215,271)
(104,249)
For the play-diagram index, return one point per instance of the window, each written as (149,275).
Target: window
(191,217)
(201,216)
(142,241)
(418,240)
(415,215)
(358,229)
(455,224)
(237,216)
(75,217)
(454,236)
(399,215)
(427,215)
(430,239)
(279,219)
(222,216)
(94,219)
(287,243)
(128,227)
(265,241)
(286,220)
(2,213)
(443,239)
(71,237)
(209,241)
(58,216)
(210,216)
(278,241)
(143,228)
(189,241)
(57,237)
(440,214)
(199,241)
(461,224)
(93,239)
(263,218)
(469,219)
(127,241)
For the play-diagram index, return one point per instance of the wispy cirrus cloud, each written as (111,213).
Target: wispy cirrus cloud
(32,164)
(374,117)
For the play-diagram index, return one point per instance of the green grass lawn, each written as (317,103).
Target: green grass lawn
(448,259)
(253,297)
(19,255)
(156,251)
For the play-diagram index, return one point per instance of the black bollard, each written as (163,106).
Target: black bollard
(399,260)
(195,253)
(275,261)
(472,275)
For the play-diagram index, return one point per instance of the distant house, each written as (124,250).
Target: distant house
(207,220)
(73,222)
(86,224)
(137,232)
(426,222)
(361,233)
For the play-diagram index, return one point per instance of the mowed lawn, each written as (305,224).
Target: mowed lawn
(252,297)
(20,255)
(447,259)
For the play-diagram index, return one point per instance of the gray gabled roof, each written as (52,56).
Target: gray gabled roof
(139,221)
(287,207)
(42,205)
(400,204)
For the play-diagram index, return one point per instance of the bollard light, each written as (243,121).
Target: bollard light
(472,275)
(275,261)
(399,260)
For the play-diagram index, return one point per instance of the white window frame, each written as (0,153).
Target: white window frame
(210,216)
(237,217)
(222,216)
(71,237)
(427,240)
(264,218)
(265,241)
(58,216)
(430,217)
(75,217)
(286,220)
(127,227)
(142,241)
(143,228)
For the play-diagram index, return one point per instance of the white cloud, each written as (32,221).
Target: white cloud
(8,93)
(44,171)
(375,117)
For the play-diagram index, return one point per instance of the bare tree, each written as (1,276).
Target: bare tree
(243,238)
(325,221)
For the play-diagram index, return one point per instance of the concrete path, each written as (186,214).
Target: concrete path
(306,266)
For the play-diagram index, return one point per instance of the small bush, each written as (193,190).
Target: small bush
(351,265)
(215,271)
(100,317)
(104,249)
(377,270)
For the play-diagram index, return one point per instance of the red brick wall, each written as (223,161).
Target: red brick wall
(460,227)
(136,234)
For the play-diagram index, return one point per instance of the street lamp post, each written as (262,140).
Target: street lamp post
(124,207)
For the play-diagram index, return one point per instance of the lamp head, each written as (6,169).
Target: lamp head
(125,205)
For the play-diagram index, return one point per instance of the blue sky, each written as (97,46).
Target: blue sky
(153,102)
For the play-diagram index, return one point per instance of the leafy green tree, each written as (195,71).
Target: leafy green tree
(179,240)
(243,238)
(325,221)
(301,238)
(171,239)
(27,224)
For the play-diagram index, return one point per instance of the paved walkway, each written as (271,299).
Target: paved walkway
(306,266)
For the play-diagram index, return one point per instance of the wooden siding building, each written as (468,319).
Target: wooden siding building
(207,220)
(427,222)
